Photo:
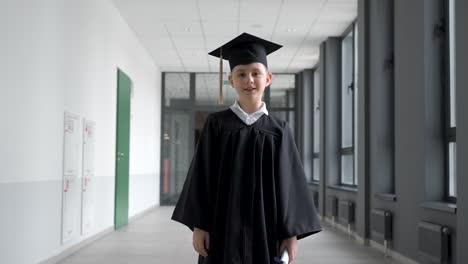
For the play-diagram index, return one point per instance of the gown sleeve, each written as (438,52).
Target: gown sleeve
(193,207)
(297,213)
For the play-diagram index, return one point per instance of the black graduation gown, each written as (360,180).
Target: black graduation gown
(246,187)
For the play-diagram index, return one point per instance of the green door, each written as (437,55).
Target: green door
(122,147)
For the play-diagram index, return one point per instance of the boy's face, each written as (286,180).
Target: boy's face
(250,80)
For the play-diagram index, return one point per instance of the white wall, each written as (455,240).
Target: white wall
(56,56)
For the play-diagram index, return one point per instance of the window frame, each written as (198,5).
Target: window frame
(450,134)
(343,151)
(316,154)
(288,109)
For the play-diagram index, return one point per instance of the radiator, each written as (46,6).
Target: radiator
(316,199)
(381,224)
(332,206)
(434,243)
(347,212)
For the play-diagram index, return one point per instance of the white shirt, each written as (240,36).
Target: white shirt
(248,119)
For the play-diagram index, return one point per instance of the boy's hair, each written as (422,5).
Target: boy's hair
(264,66)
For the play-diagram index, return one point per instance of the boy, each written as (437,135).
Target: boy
(245,195)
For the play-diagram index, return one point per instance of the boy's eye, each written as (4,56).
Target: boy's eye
(241,74)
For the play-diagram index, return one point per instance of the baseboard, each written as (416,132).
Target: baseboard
(352,235)
(361,240)
(368,242)
(142,213)
(391,253)
(69,251)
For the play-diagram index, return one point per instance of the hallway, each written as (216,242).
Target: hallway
(105,102)
(154,238)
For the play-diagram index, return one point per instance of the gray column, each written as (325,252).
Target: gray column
(331,115)
(381,92)
(419,169)
(323,136)
(307,115)
(434,65)
(299,113)
(361,151)
(409,124)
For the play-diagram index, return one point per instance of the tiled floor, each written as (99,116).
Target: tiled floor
(155,239)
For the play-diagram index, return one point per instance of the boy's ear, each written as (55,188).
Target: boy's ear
(269,78)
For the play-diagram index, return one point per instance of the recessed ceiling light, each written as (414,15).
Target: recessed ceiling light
(291,30)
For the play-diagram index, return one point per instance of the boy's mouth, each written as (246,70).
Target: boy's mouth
(249,89)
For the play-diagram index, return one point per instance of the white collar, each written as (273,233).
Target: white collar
(246,118)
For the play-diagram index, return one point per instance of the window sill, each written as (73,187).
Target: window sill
(441,206)
(386,196)
(314,183)
(343,188)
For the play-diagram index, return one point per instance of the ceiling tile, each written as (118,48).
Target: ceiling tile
(180,33)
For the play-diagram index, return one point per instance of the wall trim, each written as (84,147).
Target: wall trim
(338,226)
(71,250)
(391,253)
(369,242)
(142,213)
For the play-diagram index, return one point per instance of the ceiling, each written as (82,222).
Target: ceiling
(179,33)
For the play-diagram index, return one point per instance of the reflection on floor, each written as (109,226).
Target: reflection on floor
(155,239)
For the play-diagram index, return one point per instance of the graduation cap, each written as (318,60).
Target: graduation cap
(243,49)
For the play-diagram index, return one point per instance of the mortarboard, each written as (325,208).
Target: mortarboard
(243,49)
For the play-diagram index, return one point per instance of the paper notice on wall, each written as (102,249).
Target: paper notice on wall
(71,148)
(88,148)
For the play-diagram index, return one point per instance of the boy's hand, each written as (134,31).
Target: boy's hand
(201,241)
(291,245)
